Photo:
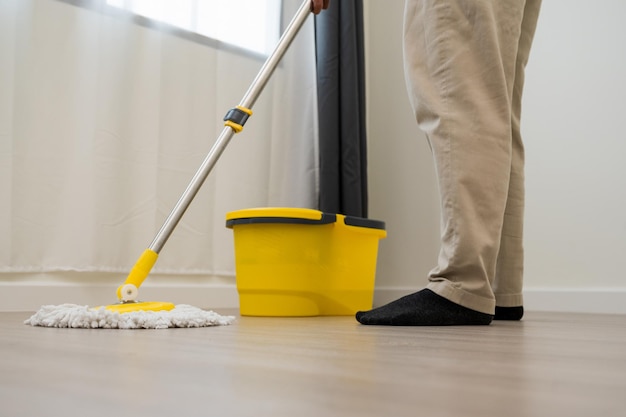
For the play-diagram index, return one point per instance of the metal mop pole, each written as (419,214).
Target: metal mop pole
(234,122)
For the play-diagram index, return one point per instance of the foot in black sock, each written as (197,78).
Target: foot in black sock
(423,308)
(509,313)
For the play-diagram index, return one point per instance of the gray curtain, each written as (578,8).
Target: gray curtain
(341,101)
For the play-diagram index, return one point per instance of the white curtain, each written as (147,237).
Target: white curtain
(104,121)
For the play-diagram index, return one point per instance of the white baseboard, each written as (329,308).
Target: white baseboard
(583,300)
(580,300)
(30,296)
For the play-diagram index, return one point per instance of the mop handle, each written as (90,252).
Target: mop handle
(233,124)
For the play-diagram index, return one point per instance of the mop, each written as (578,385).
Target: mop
(129,312)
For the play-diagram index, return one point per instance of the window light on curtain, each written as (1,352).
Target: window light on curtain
(103,122)
(249,24)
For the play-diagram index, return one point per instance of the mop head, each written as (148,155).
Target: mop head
(77,316)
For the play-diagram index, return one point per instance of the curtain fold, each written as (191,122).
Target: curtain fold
(341,109)
(103,122)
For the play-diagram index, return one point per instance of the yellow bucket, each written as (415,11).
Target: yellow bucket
(303,262)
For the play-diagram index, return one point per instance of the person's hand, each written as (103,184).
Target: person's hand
(318,5)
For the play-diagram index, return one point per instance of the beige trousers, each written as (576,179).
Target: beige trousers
(464,65)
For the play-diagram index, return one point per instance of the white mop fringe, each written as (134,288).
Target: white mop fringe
(77,316)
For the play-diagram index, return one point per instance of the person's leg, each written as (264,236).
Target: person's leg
(510,265)
(460,62)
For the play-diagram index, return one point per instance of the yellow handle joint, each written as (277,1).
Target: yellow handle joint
(237,117)
(140,271)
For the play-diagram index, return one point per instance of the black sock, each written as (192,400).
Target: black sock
(423,308)
(509,313)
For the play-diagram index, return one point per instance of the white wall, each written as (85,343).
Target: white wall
(576,181)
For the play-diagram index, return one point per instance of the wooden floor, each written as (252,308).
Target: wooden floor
(547,365)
